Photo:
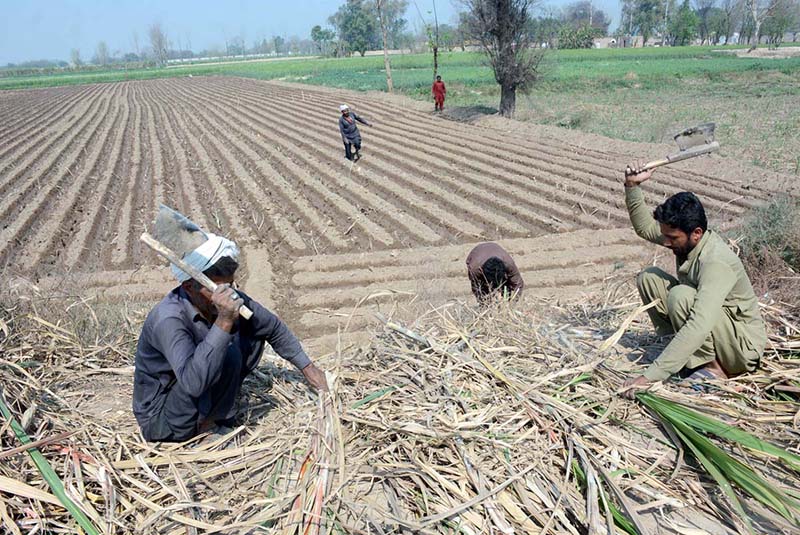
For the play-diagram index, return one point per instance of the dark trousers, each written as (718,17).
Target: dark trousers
(348,149)
(181,414)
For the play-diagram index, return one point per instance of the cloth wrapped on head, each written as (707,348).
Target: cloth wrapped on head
(344,107)
(206,255)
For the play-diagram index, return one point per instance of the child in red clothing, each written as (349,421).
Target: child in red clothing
(439,91)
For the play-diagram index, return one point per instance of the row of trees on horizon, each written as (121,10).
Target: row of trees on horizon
(355,28)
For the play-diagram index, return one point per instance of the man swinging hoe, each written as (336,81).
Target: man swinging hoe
(710,307)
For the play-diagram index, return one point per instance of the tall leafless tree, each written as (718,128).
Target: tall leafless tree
(75,57)
(501,28)
(101,53)
(387,64)
(158,42)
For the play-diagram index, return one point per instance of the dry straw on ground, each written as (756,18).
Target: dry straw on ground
(463,422)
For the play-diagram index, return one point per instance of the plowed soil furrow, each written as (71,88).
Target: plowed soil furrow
(302,140)
(326,222)
(33,131)
(220,180)
(498,209)
(440,288)
(349,216)
(98,201)
(586,158)
(351,196)
(20,210)
(543,245)
(519,175)
(41,161)
(19,113)
(251,200)
(197,207)
(221,204)
(570,159)
(533,177)
(60,207)
(46,110)
(385,154)
(563,259)
(132,179)
(161,183)
(83,169)
(404,186)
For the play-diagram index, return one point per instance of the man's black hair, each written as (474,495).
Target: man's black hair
(223,268)
(494,275)
(438,76)
(682,211)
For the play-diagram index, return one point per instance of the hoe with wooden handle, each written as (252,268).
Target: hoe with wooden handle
(692,142)
(197,275)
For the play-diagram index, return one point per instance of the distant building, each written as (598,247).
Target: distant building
(628,41)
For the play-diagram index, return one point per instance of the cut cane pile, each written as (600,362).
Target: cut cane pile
(461,422)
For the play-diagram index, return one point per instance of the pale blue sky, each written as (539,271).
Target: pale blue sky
(31,29)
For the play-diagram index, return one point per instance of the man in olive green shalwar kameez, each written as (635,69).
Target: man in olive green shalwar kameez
(711,307)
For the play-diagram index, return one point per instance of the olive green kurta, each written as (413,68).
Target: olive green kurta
(722,322)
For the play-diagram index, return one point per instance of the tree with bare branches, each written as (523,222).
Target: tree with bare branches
(159,43)
(101,54)
(758,11)
(501,27)
(386,62)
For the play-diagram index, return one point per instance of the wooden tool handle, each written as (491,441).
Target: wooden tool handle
(683,155)
(654,164)
(196,274)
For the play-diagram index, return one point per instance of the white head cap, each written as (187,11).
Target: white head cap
(208,254)
(344,107)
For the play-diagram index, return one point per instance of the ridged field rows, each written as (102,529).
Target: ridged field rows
(327,242)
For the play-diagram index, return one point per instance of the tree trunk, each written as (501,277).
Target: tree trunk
(386,63)
(756,24)
(435,61)
(508,101)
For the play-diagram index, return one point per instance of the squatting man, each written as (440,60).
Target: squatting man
(195,350)
(710,308)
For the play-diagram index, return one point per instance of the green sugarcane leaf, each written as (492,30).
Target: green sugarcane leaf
(707,424)
(373,397)
(721,463)
(684,432)
(49,475)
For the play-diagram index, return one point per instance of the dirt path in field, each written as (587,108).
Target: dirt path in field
(327,243)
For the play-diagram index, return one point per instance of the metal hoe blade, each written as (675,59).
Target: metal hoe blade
(696,136)
(177,232)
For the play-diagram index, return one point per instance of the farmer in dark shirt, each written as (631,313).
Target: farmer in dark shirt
(351,137)
(492,270)
(195,351)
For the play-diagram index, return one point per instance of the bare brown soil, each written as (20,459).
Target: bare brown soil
(327,243)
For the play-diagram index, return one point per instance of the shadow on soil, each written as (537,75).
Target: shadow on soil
(469,114)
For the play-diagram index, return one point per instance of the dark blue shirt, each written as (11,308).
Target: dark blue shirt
(178,345)
(349,130)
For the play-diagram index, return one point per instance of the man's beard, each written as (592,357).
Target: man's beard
(682,253)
